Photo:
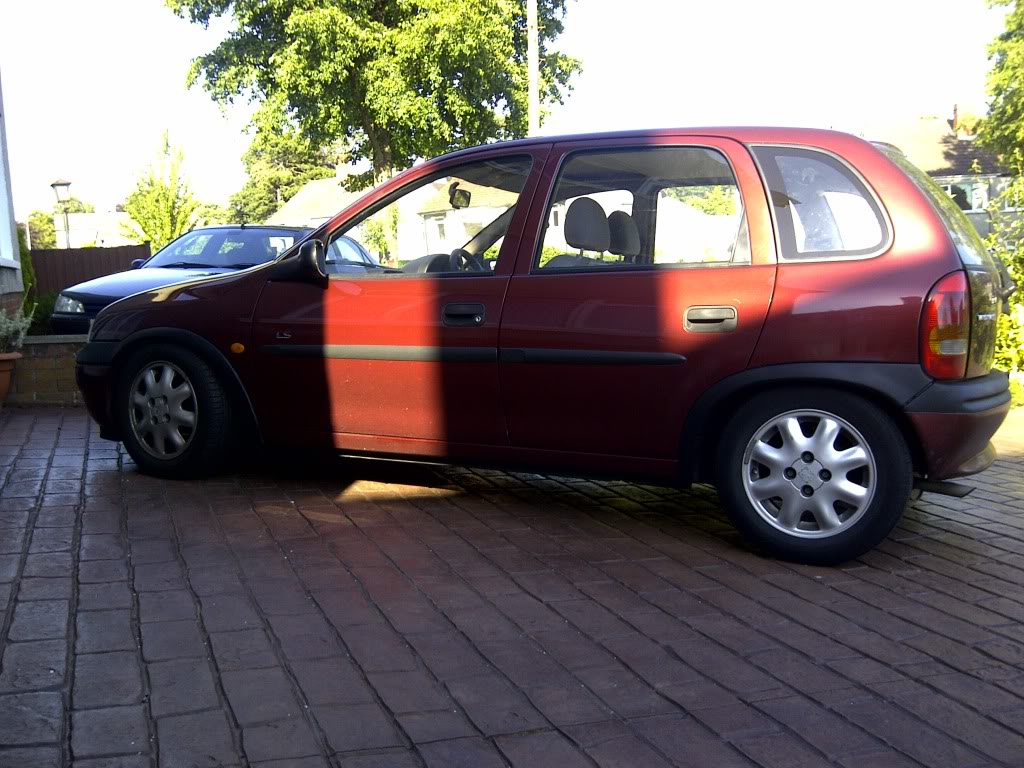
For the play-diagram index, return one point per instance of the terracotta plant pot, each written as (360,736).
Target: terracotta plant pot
(6,369)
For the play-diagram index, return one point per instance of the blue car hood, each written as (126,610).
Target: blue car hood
(122,284)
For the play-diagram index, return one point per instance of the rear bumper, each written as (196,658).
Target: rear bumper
(95,378)
(955,420)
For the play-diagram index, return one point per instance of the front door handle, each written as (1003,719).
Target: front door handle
(718,319)
(463,315)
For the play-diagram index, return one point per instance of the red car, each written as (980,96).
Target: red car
(799,317)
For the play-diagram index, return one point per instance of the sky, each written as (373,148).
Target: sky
(90,86)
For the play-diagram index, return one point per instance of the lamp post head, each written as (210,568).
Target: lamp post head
(60,188)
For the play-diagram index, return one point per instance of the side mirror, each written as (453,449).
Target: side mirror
(137,263)
(459,198)
(308,265)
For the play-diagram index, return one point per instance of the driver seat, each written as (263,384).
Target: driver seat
(586,228)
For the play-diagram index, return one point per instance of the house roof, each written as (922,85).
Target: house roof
(930,144)
(315,203)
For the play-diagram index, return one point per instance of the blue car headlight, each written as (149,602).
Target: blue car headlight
(67,305)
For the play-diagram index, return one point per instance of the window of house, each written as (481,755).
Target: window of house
(968,195)
(822,208)
(651,207)
(453,222)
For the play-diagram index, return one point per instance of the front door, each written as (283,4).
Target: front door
(651,280)
(398,354)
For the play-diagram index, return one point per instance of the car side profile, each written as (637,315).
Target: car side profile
(201,251)
(799,317)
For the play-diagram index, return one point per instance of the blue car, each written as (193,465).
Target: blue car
(203,251)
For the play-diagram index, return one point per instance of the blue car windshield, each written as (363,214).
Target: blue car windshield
(226,248)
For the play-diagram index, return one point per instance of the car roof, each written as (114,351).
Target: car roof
(215,227)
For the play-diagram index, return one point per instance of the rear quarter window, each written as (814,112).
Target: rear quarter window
(822,208)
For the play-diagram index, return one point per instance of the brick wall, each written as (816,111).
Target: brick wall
(46,373)
(10,302)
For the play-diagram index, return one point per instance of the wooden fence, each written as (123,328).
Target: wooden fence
(60,268)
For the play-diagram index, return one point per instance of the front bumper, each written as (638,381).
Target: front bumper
(70,324)
(955,420)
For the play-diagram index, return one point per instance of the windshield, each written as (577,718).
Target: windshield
(226,248)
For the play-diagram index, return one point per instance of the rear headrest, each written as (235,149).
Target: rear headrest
(625,237)
(586,226)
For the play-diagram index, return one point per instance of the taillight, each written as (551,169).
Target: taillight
(946,328)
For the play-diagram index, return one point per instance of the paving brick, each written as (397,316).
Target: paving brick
(45,589)
(357,726)
(122,761)
(45,565)
(30,718)
(107,679)
(541,748)
(226,612)
(172,640)
(101,546)
(410,691)
(202,739)
(439,725)
(114,730)
(180,686)
(104,597)
(99,571)
(99,631)
(279,740)
(612,745)
(820,728)
(173,605)
(690,744)
(244,649)
(461,753)
(624,693)
(260,695)
(779,750)
(33,666)
(31,757)
(494,706)
(39,620)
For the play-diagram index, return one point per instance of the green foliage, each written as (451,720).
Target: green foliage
(162,206)
(717,199)
(74,205)
(13,329)
(28,269)
(1016,392)
(42,311)
(1007,242)
(387,81)
(1002,130)
(279,162)
(40,227)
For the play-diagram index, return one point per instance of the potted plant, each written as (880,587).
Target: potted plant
(12,334)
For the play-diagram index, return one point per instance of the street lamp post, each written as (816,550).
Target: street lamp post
(60,189)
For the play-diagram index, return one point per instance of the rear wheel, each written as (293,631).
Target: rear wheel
(175,415)
(813,476)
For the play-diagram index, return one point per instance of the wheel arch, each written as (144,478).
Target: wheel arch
(889,386)
(245,413)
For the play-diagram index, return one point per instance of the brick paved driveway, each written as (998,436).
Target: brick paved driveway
(477,619)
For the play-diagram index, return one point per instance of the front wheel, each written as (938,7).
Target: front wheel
(175,415)
(813,476)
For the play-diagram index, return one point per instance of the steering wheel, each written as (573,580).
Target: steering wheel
(462,260)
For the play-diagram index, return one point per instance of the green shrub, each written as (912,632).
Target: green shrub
(1016,392)
(42,311)
(28,271)
(13,329)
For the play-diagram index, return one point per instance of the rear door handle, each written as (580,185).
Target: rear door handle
(463,315)
(719,319)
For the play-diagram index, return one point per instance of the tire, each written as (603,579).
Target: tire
(798,525)
(199,449)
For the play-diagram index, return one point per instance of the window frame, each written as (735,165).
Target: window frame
(817,257)
(536,156)
(566,157)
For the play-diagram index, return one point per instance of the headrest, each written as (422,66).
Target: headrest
(586,226)
(625,237)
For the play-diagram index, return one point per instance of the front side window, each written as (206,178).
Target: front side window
(651,207)
(449,223)
(822,209)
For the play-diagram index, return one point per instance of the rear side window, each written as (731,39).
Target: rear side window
(968,242)
(822,208)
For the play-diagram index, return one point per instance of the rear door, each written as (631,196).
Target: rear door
(649,280)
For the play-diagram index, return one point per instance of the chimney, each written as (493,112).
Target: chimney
(955,122)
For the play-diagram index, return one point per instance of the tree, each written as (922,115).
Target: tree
(162,207)
(43,233)
(716,200)
(279,162)
(389,81)
(1002,130)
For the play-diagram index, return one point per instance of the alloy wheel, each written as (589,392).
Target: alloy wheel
(809,473)
(163,410)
